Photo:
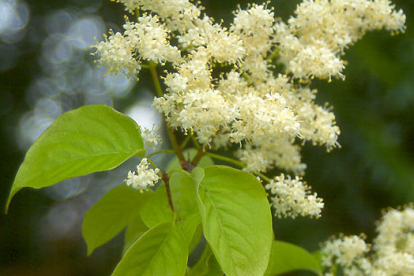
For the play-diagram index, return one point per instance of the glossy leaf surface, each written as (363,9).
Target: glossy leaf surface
(89,139)
(160,251)
(236,218)
(286,257)
(110,215)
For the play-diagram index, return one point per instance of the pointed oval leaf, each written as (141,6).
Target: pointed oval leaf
(82,141)
(110,215)
(160,251)
(156,209)
(286,257)
(236,218)
(183,190)
(191,230)
(136,228)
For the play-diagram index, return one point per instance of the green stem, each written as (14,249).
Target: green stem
(155,78)
(186,140)
(262,176)
(275,52)
(235,162)
(171,133)
(226,159)
(186,48)
(160,151)
(177,149)
(196,144)
(153,164)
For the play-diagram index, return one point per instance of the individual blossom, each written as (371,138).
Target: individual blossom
(290,197)
(151,138)
(144,177)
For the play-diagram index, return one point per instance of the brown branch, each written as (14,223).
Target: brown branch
(197,158)
(166,180)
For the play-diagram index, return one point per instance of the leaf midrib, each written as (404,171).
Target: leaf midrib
(40,173)
(219,219)
(158,251)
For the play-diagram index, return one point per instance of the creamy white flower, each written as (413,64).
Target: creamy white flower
(311,43)
(291,197)
(391,254)
(151,139)
(118,55)
(221,45)
(269,116)
(395,227)
(144,177)
(150,39)
(256,27)
(317,123)
(343,251)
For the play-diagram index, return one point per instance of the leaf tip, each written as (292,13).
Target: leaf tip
(89,251)
(13,191)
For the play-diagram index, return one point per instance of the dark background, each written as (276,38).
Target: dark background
(46,69)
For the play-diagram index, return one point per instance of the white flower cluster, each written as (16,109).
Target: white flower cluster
(145,40)
(391,255)
(224,87)
(394,245)
(144,177)
(178,14)
(291,197)
(344,251)
(312,41)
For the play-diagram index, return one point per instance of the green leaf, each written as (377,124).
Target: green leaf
(207,265)
(198,234)
(236,218)
(156,209)
(286,257)
(183,189)
(82,141)
(160,251)
(191,230)
(189,154)
(175,185)
(110,215)
(184,194)
(198,175)
(136,228)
